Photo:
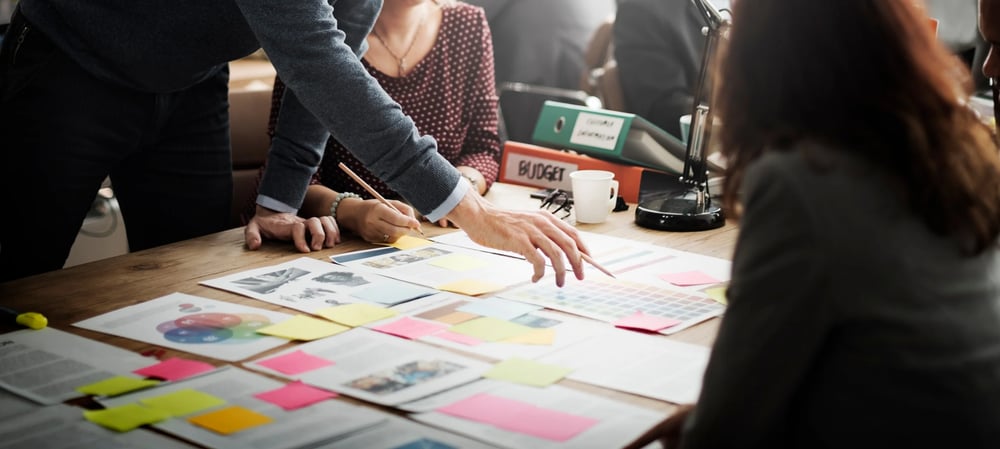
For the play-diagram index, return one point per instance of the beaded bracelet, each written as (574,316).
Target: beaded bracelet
(336,202)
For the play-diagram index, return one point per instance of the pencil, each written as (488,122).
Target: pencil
(593,262)
(372,191)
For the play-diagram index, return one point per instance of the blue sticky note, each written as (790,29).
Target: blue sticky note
(392,293)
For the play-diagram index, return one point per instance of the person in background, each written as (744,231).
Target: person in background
(436,59)
(989,27)
(542,42)
(138,91)
(864,304)
(658,47)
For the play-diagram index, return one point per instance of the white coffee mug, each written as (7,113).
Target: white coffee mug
(595,193)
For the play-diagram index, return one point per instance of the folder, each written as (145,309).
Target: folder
(618,137)
(537,166)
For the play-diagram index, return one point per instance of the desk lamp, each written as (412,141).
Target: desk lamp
(691,208)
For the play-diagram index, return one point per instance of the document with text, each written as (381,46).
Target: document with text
(47,365)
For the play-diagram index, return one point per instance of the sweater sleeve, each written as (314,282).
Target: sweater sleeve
(775,325)
(314,47)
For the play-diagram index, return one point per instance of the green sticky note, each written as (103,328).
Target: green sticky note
(302,327)
(459,262)
(116,385)
(490,329)
(230,420)
(183,402)
(356,314)
(527,372)
(718,294)
(125,417)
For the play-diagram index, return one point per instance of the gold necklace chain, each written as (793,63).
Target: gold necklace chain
(401,60)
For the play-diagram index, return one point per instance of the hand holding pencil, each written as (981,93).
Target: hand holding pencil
(368,188)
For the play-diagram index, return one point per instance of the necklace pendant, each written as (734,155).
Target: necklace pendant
(402,66)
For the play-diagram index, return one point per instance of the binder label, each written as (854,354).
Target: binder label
(598,131)
(537,171)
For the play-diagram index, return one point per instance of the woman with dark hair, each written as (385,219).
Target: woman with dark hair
(865,295)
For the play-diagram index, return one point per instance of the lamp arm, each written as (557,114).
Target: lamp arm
(695,174)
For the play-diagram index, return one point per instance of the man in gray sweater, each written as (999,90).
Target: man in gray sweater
(138,91)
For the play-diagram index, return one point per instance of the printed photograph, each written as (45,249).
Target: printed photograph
(404,376)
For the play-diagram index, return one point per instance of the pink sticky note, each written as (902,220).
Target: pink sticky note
(641,321)
(520,417)
(410,328)
(295,362)
(175,369)
(459,338)
(687,278)
(295,395)
(550,424)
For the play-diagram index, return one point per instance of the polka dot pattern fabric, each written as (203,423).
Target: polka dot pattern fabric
(450,95)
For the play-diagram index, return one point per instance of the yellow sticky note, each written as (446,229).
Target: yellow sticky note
(125,417)
(230,420)
(356,314)
(718,294)
(471,287)
(183,402)
(490,329)
(302,327)
(409,242)
(459,262)
(542,337)
(527,372)
(116,385)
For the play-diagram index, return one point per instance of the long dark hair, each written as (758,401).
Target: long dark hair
(866,76)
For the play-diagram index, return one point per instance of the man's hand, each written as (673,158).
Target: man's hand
(534,235)
(308,234)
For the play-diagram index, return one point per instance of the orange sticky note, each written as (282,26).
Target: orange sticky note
(230,420)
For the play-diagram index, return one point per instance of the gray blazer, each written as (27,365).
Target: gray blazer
(850,323)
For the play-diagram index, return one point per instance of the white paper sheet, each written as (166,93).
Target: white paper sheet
(381,368)
(14,405)
(646,365)
(618,422)
(309,285)
(400,433)
(47,365)
(568,329)
(437,265)
(317,423)
(627,259)
(63,427)
(217,329)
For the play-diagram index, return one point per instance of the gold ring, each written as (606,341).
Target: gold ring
(385,238)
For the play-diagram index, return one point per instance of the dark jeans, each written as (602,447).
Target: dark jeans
(63,131)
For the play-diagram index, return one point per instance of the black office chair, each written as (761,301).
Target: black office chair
(520,105)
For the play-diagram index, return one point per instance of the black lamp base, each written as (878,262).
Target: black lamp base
(678,211)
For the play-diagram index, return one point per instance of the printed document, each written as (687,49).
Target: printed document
(47,365)
(217,329)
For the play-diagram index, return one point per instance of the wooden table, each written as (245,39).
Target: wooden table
(73,294)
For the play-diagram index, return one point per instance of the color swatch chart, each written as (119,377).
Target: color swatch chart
(610,300)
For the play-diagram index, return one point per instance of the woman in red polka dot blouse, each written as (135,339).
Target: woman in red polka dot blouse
(436,59)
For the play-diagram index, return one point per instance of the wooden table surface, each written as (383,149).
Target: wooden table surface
(73,294)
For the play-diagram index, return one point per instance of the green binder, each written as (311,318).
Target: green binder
(611,135)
